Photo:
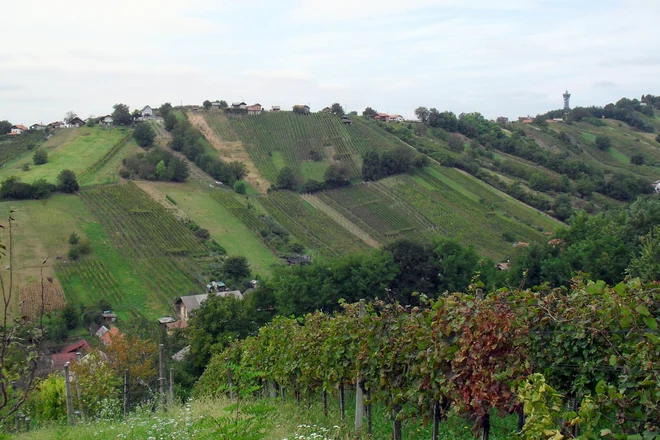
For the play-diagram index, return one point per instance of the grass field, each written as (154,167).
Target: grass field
(237,238)
(40,230)
(76,149)
(12,147)
(106,170)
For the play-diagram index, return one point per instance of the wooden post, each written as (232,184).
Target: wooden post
(272,389)
(69,398)
(485,427)
(396,424)
(368,408)
(283,393)
(161,372)
(342,403)
(521,418)
(171,386)
(230,380)
(125,393)
(359,398)
(436,420)
(78,357)
(325,403)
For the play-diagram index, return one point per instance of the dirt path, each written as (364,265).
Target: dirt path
(340,219)
(231,151)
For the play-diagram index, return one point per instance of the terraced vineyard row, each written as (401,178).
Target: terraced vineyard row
(13,146)
(247,216)
(160,248)
(377,210)
(91,273)
(89,173)
(309,225)
(298,138)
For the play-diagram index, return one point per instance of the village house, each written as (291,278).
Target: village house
(301,108)
(396,118)
(179,355)
(275,108)
(56,125)
(109,317)
(147,112)
(101,331)
(37,127)
(239,105)
(254,109)
(76,122)
(69,353)
(326,109)
(108,336)
(105,120)
(17,129)
(382,117)
(186,304)
(503,266)
(215,105)
(173,326)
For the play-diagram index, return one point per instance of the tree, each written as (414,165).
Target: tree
(207,105)
(637,159)
(647,264)
(177,170)
(337,109)
(74,239)
(422,114)
(657,138)
(165,109)
(236,268)
(70,316)
(238,169)
(66,182)
(456,143)
(353,113)
(5,127)
(603,142)
(127,351)
(136,114)
(371,166)
(121,115)
(369,112)
(286,179)
(223,104)
(40,157)
(91,121)
(171,122)
(239,187)
(70,116)
(161,170)
(144,134)
(335,176)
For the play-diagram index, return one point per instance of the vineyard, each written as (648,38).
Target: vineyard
(160,249)
(315,229)
(580,363)
(424,206)
(275,139)
(31,298)
(12,147)
(97,166)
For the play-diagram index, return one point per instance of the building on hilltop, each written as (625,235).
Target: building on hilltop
(301,109)
(17,129)
(346,120)
(396,118)
(382,117)
(255,109)
(326,109)
(275,108)
(239,105)
(76,122)
(186,304)
(215,105)
(105,120)
(147,112)
(37,127)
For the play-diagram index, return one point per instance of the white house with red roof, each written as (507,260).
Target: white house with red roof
(255,109)
(17,129)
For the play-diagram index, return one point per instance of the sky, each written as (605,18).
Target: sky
(498,57)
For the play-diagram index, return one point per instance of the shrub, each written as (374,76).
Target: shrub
(603,142)
(202,234)
(66,181)
(26,167)
(40,157)
(239,187)
(637,159)
(508,237)
(74,239)
(144,134)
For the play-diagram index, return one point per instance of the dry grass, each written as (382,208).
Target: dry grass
(30,297)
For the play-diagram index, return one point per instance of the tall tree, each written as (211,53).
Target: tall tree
(286,179)
(144,134)
(337,109)
(66,181)
(207,105)
(5,127)
(422,114)
(70,116)
(121,115)
(369,112)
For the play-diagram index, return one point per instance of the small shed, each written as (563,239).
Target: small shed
(109,317)
(275,108)
(346,120)
(215,105)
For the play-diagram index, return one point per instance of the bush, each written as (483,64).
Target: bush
(637,159)
(508,237)
(74,239)
(73,254)
(144,134)
(66,181)
(657,138)
(26,167)
(40,157)
(202,234)
(603,142)
(239,187)
(70,316)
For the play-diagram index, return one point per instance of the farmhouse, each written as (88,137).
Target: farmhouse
(111,334)
(109,317)
(215,105)
(382,117)
(254,109)
(326,109)
(147,112)
(396,118)
(101,331)
(239,105)
(76,122)
(69,353)
(39,127)
(105,120)
(275,108)
(17,129)
(56,125)
(346,120)
(166,320)
(301,108)
(186,304)
(172,326)
(503,266)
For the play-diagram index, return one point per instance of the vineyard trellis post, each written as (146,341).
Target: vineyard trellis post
(171,386)
(69,398)
(230,380)
(161,372)
(359,398)
(342,403)
(78,395)
(436,420)
(125,393)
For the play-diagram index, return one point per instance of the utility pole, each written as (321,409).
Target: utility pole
(359,398)
(69,397)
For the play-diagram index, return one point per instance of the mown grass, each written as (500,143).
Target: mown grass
(226,229)
(74,148)
(276,420)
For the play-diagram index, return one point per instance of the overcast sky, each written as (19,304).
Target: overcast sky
(498,57)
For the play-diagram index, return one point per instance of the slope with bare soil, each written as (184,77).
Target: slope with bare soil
(231,151)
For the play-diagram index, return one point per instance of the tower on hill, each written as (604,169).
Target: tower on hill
(567,99)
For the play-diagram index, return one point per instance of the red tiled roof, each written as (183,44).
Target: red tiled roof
(106,339)
(76,346)
(59,359)
(254,107)
(22,127)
